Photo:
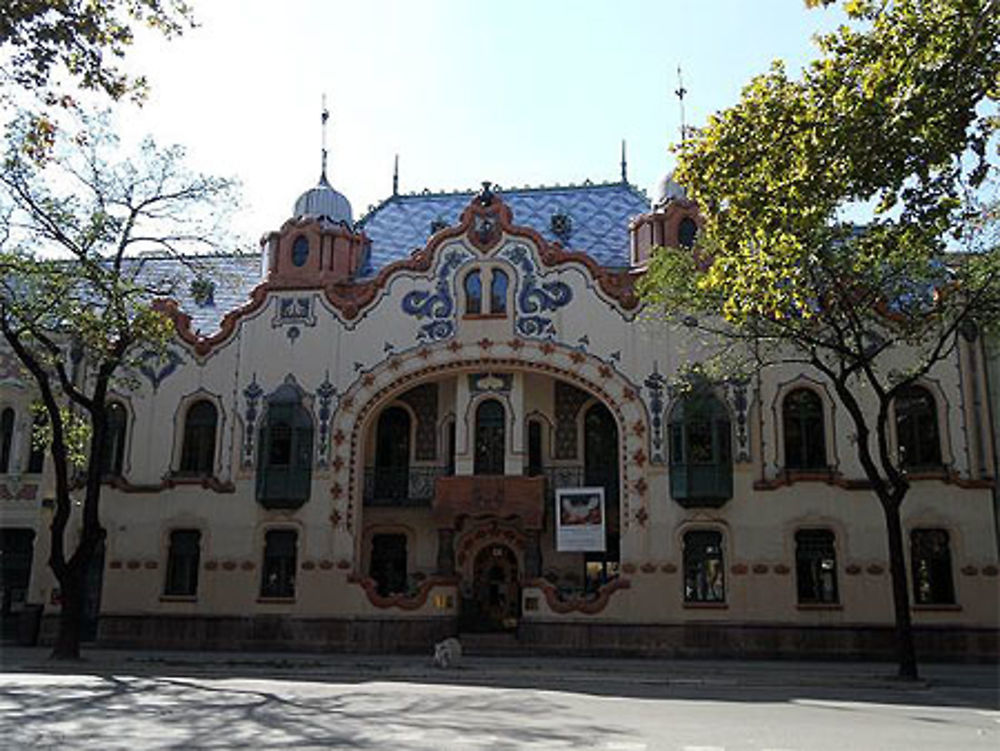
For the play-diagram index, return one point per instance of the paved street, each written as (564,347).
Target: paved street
(125,700)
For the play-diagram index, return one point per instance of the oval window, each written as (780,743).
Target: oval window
(300,250)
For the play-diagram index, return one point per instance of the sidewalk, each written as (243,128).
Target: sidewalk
(502,670)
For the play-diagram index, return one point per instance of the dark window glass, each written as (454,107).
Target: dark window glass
(6,438)
(816,566)
(930,559)
(450,467)
(600,469)
(473,293)
(489,458)
(284,471)
(805,437)
(704,575)
(686,232)
(198,450)
(392,454)
(114,439)
(278,572)
(700,457)
(300,251)
(16,550)
(917,428)
(388,563)
(498,292)
(182,563)
(36,459)
(534,448)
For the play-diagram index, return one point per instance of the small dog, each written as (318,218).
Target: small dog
(447,653)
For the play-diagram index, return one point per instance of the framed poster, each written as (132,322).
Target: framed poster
(580,520)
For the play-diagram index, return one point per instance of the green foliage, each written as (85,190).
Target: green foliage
(42,40)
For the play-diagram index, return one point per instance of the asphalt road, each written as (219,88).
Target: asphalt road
(175,702)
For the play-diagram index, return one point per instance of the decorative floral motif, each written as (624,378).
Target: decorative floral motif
(536,297)
(336,491)
(437,305)
(639,457)
(326,392)
(739,402)
(642,516)
(158,366)
(252,393)
(654,387)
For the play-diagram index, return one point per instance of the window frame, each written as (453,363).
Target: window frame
(808,555)
(941,592)
(714,590)
(485,457)
(798,422)
(913,438)
(199,442)
(282,564)
(187,563)
(8,423)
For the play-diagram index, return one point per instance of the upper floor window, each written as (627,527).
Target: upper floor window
(116,420)
(534,448)
(300,251)
(686,232)
(917,428)
(816,567)
(198,448)
(473,293)
(930,561)
(278,571)
(704,573)
(498,292)
(284,471)
(6,439)
(489,457)
(701,469)
(805,437)
(392,455)
(182,563)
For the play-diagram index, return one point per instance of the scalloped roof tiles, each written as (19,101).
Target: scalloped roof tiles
(599,216)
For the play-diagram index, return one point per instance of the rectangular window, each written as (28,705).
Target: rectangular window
(278,574)
(388,563)
(930,560)
(816,567)
(704,575)
(182,563)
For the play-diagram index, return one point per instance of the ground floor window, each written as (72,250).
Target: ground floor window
(278,575)
(930,559)
(16,546)
(388,563)
(816,567)
(600,568)
(704,574)
(182,563)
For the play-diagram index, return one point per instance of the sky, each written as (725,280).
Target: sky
(520,92)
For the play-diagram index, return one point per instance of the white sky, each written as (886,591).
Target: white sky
(517,92)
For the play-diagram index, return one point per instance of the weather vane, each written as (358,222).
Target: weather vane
(324,117)
(680,92)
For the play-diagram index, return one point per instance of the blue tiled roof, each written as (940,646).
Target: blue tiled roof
(599,216)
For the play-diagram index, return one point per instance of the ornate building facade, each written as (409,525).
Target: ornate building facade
(370,436)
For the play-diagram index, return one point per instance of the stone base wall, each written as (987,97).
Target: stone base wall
(756,641)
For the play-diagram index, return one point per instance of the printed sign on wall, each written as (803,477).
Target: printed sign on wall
(580,520)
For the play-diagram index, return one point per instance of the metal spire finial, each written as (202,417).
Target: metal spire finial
(680,92)
(324,117)
(624,164)
(395,176)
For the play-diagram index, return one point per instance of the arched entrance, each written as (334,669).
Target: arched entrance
(494,601)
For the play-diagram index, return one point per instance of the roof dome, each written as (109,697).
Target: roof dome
(668,189)
(323,201)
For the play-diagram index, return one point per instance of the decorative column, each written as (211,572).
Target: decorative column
(446,552)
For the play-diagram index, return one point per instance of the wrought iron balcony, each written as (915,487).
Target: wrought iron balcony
(701,485)
(400,486)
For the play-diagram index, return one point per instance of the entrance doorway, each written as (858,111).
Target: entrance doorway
(495,601)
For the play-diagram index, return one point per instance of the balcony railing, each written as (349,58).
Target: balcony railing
(400,486)
(694,485)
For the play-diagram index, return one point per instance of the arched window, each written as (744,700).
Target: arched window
(600,469)
(300,251)
(686,232)
(489,458)
(473,293)
(116,419)
(6,438)
(392,455)
(701,467)
(816,567)
(498,292)
(917,428)
(930,560)
(805,436)
(534,448)
(704,573)
(284,471)
(198,448)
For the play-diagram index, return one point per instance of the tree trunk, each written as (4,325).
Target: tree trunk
(906,652)
(72,593)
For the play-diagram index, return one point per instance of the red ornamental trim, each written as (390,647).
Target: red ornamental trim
(760,568)
(577,605)
(454,346)
(335,517)
(368,380)
(338,463)
(648,568)
(326,565)
(639,457)
(781,569)
(577,357)
(248,565)
(990,570)
(853,569)
(424,353)
(739,569)
(642,516)
(151,565)
(669,568)
(604,371)
(133,565)
(308,565)
(229,565)
(336,491)
(970,570)
(211,565)
(875,569)
(485,343)
(640,486)
(628,568)
(172,481)
(402,601)
(515,344)
(343,564)
(115,564)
